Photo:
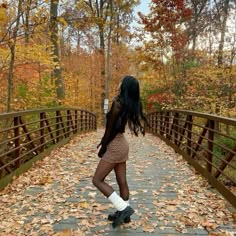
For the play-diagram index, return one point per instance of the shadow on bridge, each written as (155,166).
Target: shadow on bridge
(56,196)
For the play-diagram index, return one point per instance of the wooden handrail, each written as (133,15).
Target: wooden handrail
(28,135)
(196,137)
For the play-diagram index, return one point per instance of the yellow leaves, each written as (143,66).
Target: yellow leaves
(65,232)
(34,53)
(45,180)
(84,204)
(3,16)
(62,21)
(4,55)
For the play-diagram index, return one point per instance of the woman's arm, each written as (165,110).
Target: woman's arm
(110,124)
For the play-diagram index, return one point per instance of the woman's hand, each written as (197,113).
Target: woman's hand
(102,150)
(98,148)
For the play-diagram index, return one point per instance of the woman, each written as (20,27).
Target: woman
(126,108)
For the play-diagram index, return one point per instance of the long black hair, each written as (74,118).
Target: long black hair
(130,94)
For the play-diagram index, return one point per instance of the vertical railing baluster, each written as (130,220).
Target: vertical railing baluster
(176,128)
(153,122)
(42,138)
(17,140)
(76,121)
(167,120)
(67,123)
(210,145)
(172,126)
(189,134)
(57,126)
(86,120)
(95,122)
(81,120)
(161,123)
(156,123)
(89,121)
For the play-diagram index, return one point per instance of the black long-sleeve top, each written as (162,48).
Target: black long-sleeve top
(116,122)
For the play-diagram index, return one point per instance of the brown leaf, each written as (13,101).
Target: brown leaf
(84,204)
(148,228)
(65,232)
(208,224)
(45,180)
(234,217)
(219,234)
(171,208)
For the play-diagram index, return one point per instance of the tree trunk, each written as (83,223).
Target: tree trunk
(197,27)
(99,9)
(27,27)
(222,32)
(102,53)
(223,27)
(57,72)
(12,46)
(108,74)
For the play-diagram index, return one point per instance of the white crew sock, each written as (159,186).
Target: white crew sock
(117,201)
(127,201)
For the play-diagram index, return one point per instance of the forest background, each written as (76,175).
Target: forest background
(74,53)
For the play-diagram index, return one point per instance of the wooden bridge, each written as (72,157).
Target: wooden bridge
(181,175)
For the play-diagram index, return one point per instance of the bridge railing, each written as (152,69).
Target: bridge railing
(26,136)
(207,142)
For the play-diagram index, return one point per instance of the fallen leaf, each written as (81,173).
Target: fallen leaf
(65,232)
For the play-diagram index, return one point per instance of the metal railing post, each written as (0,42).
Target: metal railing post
(17,140)
(210,145)
(41,125)
(189,134)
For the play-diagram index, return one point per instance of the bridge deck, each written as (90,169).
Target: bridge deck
(56,197)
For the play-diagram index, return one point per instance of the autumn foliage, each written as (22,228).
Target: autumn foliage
(182,48)
(184,56)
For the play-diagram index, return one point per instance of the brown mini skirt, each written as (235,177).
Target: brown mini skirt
(117,150)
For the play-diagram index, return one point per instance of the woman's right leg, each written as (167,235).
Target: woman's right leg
(124,211)
(120,171)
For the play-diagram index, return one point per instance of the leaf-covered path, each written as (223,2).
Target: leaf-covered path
(56,197)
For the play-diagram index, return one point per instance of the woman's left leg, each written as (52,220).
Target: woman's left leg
(120,171)
(103,169)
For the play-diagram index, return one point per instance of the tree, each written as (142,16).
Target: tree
(222,21)
(57,72)
(12,45)
(198,21)
(97,26)
(165,24)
